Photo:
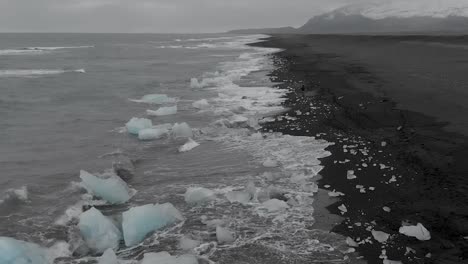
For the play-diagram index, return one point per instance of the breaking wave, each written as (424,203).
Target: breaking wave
(35,73)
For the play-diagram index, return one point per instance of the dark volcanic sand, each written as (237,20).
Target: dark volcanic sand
(408,92)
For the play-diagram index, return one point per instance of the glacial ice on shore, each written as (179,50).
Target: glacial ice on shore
(155,132)
(166,258)
(275,205)
(136,124)
(418,231)
(108,257)
(182,130)
(155,99)
(14,251)
(189,145)
(98,231)
(139,221)
(239,197)
(201,104)
(163,111)
(195,195)
(112,188)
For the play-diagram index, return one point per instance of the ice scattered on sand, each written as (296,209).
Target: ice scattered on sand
(186,243)
(387,261)
(380,236)
(201,104)
(136,124)
(269,163)
(108,257)
(14,251)
(98,231)
(163,111)
(239,197)
(139,221)
(195,195)
(350,175)
(189,145)
(343,209)
(109,187)
(182,130)
(155,99)
(418,231)
(386,209)
(166,258)
(335,194)
(224,235)
(383,144)
(275,205)
(351,242)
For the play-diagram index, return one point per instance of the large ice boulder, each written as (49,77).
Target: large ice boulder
(139,221)
(201,104)
(156,99)
(14,251)
(163,111)
(239,197)
(108,257)
(98,231)
(166,258)
(136,124)
(182,130)
(195,195)
(108,187)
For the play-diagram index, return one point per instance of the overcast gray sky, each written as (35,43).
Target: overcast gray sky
(156,15)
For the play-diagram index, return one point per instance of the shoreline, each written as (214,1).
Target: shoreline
(403,160)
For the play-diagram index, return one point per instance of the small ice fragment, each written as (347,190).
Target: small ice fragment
(257,136)
(224,235)
(269,163)
(251,189)
(198,195)
(136,124)
(380,236)
(275,205)
(343,209)
(14,251)
(112,188)
(350,175)
(383,144)
(387,261)
(327,186)
(393,179)
(152,133)
(189,145)
(418,231)
(155,99)
(163,111)
(194,83)
(351,242)
(137,222)
(201,104)
(399,128)
(386,209)
(98,231)
(372,188)
(335,194)
(239,197)
(382,166)
(166,258)
(186,243)
(182,130)
(108,257)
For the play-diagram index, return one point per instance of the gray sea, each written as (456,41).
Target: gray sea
(65,100)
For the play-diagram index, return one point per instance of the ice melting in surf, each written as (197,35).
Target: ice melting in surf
(239,197)
(275,205)
(182,130)
(166,258)
(194,83)
(198,195)
(110,188)
(14,251)
(201,104)
(269,163)
(191,144)
(224,235)
(418,231)
(163,111)
(139,221)
(155,99)
(136,124)
(98,231)
(153,133)
(186,243)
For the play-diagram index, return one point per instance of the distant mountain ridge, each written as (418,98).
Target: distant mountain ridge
(380,19)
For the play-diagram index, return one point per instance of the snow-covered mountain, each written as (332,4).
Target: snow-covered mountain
(393,16)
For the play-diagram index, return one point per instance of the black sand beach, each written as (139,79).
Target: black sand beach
(396,109)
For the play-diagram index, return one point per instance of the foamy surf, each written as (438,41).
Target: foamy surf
(38,72)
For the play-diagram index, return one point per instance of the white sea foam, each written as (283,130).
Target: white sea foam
(37,72)
(19,194)
(37,50)
(59,48)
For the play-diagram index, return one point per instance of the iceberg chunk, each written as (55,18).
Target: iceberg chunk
(269,163)
(224,235)
(275,205)
(201,104)
(137,222)
(198,195)
(166,258)
(112,188)
(98,231)
(239,197)
(191,144)
(418,231)
(155,99)
(182,130)
(186,243)
(14,251)
(162,111)
(380,236)
(153,133)
(108,257)
(136,124)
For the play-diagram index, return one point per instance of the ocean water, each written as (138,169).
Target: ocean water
(64,103)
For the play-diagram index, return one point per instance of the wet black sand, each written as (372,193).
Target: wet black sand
(409,92)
